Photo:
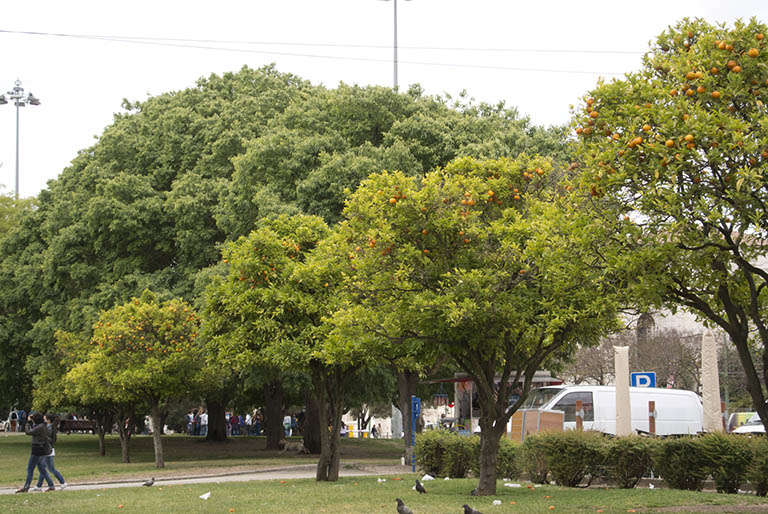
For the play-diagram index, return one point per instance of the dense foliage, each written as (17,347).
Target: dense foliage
(176,175)
(675,157)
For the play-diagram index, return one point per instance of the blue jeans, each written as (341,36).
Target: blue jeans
(48,463)
(36,461)
(203,430)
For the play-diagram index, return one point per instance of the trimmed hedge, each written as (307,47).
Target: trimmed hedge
(572,458)
(629,459)
(446,454)
(534,457)
(757,473)
(681,464)
(728,458)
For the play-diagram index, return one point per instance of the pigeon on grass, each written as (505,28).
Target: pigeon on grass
(402,508)
(149,482)
(470,510)
(420,487)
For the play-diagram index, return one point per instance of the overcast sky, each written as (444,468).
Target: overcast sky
(445,45)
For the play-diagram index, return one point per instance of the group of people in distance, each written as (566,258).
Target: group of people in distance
(43,432)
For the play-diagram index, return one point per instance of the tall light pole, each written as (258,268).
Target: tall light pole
(394,45)
(20,100)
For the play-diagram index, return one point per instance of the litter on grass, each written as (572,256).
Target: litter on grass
(205,496)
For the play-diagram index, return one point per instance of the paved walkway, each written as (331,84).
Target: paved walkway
(277,473)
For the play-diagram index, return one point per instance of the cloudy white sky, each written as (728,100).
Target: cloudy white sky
(495,49)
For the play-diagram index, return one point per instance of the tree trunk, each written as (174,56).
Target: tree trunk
(103,425)
(406,387)
(217,420)
(330,401)
(157,420)
(489,449)
(124,431)
(273,415)
(313,425)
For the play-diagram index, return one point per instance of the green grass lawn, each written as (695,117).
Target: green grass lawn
(363,495)
(78,460)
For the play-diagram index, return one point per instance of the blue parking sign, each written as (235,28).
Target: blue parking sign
(644,379)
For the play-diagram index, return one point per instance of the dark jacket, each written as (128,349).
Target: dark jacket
(40,443)
(52,434)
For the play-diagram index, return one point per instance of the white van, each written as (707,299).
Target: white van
(678,412)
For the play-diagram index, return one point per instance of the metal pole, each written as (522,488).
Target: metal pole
(395,44)
(17,150)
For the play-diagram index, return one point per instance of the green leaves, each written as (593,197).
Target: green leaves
(473,258)
(142,349)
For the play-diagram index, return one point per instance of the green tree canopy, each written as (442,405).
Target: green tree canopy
(142,351)
(176,175)
(675,158)
(481,261)
(268,313)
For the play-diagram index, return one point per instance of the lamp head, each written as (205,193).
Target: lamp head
(33,99)
(3,101)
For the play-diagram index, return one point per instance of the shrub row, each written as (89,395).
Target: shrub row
(576,458)
(446,454)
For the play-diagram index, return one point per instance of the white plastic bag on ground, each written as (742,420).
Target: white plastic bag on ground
(427,477)
(205,496)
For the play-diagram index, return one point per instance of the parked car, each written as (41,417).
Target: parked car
(753,426)
(737,419)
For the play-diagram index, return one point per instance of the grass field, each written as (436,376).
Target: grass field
(366,495)
(78,459)
(77,456)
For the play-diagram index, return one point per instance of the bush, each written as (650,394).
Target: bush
(507,460)
(534,457)
(628,459)
(757,473)
(459,455)
(574,456)
(729,457)
(681,463)
(445,454)
(430,449)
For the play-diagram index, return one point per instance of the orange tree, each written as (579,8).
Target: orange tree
(142,351)
(674,157)
(481,261)
(268,313)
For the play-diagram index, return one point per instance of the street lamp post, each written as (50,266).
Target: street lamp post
(394,45)
(20,100)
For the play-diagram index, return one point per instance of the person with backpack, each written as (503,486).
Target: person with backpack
(40,448)
(48,459)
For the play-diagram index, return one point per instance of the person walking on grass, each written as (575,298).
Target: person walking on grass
(48,459)
(40,448)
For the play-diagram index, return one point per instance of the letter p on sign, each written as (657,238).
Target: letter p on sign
(643,379)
